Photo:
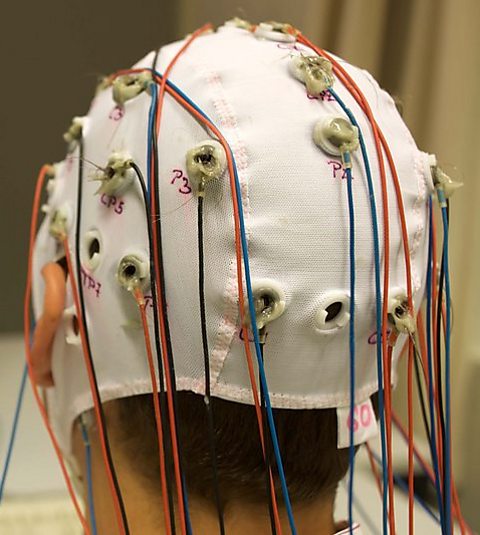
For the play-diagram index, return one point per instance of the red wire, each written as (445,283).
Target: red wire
(163,82)
(411,467)
(91,379)
(156,405)
(26,328)
(444,324)
(170,402)
(423,346)
(406,250)
(436,348)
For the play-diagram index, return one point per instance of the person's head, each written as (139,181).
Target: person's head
(313,463)
(228,254)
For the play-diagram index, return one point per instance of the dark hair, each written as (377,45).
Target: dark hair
(308,441)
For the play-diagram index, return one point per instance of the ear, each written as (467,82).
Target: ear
(53,305)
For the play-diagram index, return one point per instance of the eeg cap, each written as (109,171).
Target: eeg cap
(296,214)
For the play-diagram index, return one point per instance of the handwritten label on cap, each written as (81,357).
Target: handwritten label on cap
(364,424)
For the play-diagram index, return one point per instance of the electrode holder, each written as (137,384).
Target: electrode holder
(276,31)
(116,176)
(74,134)
(133,272)
(128,86)
(205,162)
(336,135)
(399,315)
(315,72)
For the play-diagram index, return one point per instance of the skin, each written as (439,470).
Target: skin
(53,305)
(144,508)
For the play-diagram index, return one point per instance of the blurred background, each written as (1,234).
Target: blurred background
(426,52)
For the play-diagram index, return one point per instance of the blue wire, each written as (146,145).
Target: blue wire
(448,486)
(351,449)
(402,484)
(433,437)
(378,304)
(263,379)
(187,508)
(261,369)
(151,126)
(88,459)
(13,431)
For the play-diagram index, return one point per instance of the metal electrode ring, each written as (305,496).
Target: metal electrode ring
(269,302)
(314,71)
(117,175)
(129,86)
(336,135)
(132,272)
(205,162)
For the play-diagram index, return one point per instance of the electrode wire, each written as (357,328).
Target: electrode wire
(13,431)
(78,297)
(88,463)
(139,297)
(351,212)
(418,379)
(435,344)
(438,372)
(167,350)
(378,301)
(206,358)
(268,459)
(151,132)
(433,435)
(158,397)
(447,489)
(27,338)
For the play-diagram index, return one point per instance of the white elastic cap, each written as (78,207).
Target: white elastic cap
(295,205)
